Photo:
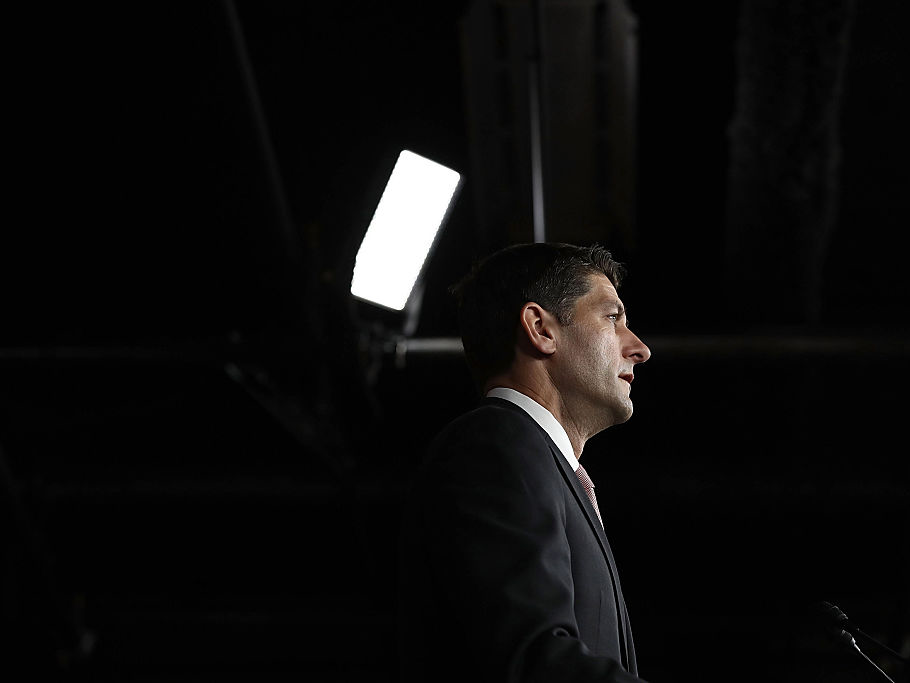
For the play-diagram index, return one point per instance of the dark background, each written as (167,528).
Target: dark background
(203,451)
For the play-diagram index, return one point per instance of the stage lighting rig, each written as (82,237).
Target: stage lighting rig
(399,241)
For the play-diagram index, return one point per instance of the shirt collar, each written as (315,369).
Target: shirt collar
(541,416)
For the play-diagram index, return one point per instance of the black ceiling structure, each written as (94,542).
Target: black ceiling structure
(203,440)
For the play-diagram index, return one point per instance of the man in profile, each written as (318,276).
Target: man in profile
(507,572)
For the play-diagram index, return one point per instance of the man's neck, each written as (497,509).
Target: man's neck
(549,398)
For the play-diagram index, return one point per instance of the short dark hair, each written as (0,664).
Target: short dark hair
(489,298)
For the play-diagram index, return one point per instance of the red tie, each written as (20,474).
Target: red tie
(588,486)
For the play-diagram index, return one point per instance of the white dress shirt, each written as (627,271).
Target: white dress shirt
(541,416)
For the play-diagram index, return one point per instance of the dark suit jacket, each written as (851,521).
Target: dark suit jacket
(507,574)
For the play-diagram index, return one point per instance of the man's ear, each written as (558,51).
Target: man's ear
(539,327)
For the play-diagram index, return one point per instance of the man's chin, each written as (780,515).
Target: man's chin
(620,414)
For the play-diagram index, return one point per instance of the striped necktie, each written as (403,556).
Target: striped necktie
(588,486)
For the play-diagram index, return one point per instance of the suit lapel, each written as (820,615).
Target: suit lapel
(630,645)
(581,496)
(578,490)
(572,481)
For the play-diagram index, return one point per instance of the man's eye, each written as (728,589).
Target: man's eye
(613,316)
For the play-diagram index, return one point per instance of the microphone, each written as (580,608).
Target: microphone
(843,630)
(838,621)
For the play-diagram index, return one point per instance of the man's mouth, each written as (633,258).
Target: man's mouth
(627,376)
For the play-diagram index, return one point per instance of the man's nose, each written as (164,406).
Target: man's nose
(636,349)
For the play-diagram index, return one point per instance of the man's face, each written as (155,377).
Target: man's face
(598,353)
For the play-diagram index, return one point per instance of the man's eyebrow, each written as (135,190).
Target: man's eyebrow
(620,309)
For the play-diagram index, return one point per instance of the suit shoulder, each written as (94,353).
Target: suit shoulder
(491,421)
(494,433)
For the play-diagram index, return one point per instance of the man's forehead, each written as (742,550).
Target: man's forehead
(602,288)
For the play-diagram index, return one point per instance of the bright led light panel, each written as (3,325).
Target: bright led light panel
(398,240)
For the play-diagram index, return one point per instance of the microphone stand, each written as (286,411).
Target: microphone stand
(874,665)
(869,639)
(843,630)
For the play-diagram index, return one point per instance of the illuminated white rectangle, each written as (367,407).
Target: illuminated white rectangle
(398,239)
